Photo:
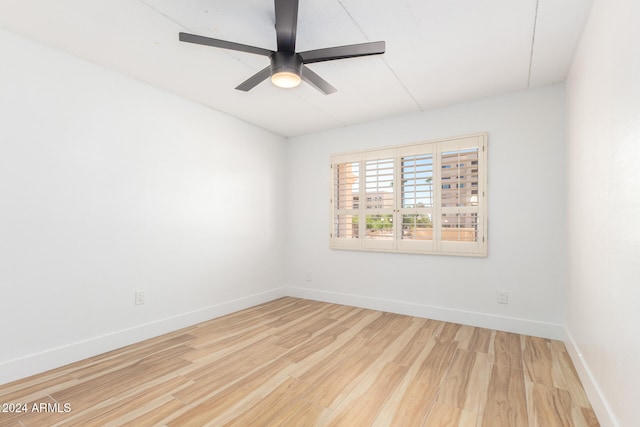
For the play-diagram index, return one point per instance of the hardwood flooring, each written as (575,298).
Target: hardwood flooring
(293,362)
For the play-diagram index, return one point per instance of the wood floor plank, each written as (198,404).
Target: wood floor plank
(410,402)
(356,316)
(217,376)
(347,342)
(335,383)
(453,391)
(463,336)
(242,393)
(300,335)
(309,348)
(435,365)
(590,417)
(118,407)
(362,388)
(507,350)
(478,383)
(295,362)
(384,337)
(448,330)
(244,359)
(551,406)
(572,382)
(415,403)
(443,416)
(362,410)
(537,360)
(154,415)
(222,346)
(417,343)
(423,383)
(480,340)
(100,365)
(270,409)
(506,398)
(301,414)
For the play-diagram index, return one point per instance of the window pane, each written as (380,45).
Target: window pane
(417,181)
(460,177)
(346,185)
(345,226)
(379,184)
(461,227)
(380,227)
(417,227)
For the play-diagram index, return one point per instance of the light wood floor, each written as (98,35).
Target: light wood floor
(294,362)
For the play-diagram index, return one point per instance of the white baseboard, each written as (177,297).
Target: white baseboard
(53,358)
(594,393)
(483,320)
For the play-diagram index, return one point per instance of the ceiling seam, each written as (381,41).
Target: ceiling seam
(381,57)
(533,40)
(402,84)
(163,14)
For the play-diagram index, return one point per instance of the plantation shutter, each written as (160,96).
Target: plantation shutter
(416,199)
(379,200)
(419,198)
(462,196)
(345,201)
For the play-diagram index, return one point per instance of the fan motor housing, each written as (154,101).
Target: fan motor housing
(286,62)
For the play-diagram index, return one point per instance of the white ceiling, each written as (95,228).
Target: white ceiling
(438,51)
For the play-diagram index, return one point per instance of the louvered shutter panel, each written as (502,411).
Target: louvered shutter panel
(461,196)
(345,199)
(416,199)
(379,201)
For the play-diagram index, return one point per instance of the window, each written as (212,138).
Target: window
(421,198)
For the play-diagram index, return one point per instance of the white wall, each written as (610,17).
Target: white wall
(108,185)
(527,233)
(603,301)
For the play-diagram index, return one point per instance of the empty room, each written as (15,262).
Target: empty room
(320,213)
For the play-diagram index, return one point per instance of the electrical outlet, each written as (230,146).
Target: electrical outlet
(308,277)
(139,297)
(503,296)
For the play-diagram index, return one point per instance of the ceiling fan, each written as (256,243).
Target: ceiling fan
(288,67)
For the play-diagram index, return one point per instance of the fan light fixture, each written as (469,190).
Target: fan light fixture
(286,79)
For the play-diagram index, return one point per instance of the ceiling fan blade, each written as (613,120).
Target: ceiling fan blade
(316,81)
(341,52)
(286,24)
(254,80)
(207,41)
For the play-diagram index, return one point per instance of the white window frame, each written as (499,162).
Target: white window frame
(439,244)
